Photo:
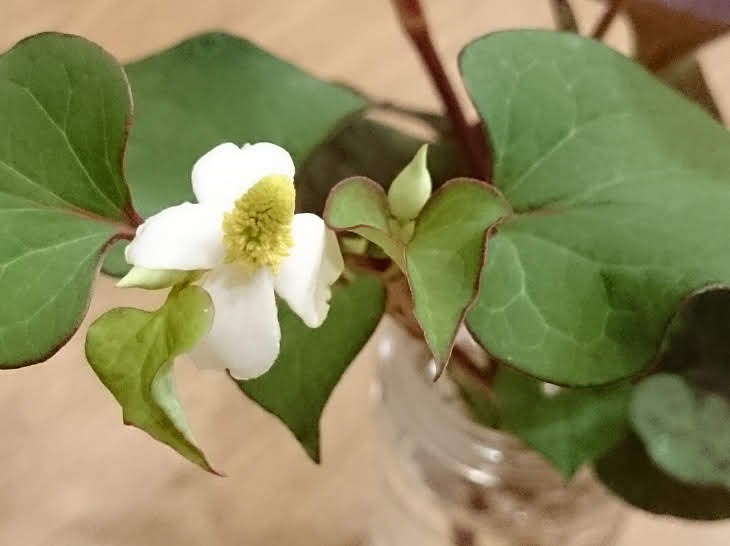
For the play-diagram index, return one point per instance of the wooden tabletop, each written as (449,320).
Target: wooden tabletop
(72,475)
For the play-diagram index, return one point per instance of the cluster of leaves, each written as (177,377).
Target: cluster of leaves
(605,221)
(607,210)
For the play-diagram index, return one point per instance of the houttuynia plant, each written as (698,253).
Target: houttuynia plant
(579,232)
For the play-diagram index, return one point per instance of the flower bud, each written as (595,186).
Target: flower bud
(411,188)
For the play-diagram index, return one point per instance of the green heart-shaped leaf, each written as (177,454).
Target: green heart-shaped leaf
(64,112)
(569,426)
(444,258)
(686,432)
(360,205)
(132,351)
(629,472)
(620,190)
(215,88)
(311,361)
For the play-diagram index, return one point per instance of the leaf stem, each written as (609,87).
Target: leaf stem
(125,232)
(564,15)
(607,19)
(413,20)
(134,218)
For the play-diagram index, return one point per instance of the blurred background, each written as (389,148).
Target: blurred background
(72,475)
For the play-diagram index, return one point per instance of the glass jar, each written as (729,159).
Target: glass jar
(448,481)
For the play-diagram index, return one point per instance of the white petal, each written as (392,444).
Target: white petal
(187,236)
(227,172)
(245,335)
(306,275)
(218,168)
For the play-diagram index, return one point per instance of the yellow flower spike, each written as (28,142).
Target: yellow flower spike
(257,231)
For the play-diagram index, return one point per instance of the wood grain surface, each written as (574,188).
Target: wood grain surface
(72,475)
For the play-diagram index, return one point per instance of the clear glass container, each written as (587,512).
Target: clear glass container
(448,481)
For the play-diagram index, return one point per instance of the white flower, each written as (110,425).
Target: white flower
(244,232)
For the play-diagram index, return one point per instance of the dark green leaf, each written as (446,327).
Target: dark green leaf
(445,257)
(698,348)
(216,88)
(311,361)
(479,401)
(115,263)
(370,149)
(620,189)
(629,472)
(64,112)
(569,426)
(132,351)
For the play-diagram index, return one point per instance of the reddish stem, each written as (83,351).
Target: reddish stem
(564,15)
(607,19)
(135,219)
(413,20)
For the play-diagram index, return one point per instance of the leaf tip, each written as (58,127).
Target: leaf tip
(311,444)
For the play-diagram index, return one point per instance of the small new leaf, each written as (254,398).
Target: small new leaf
(360,205)
(132,352)
(411,189)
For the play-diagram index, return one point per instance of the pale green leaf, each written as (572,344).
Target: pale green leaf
(132,351)
(311,361)
(445,257)
(620,191)
(686,431)
(64,112)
